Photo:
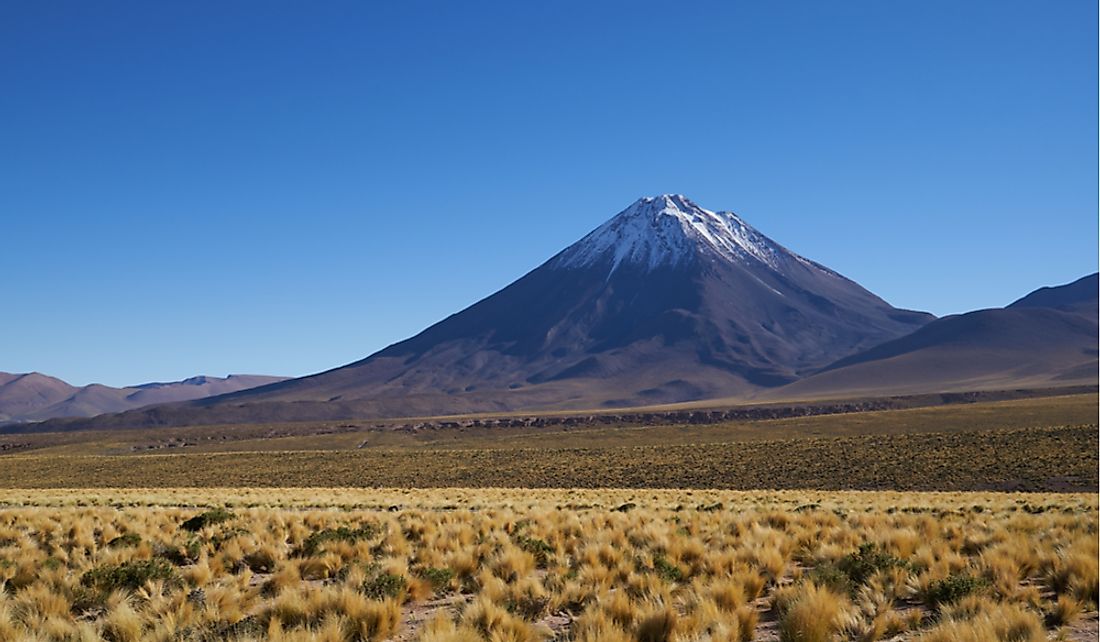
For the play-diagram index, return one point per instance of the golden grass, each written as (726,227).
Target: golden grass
(812,614)
(459,565)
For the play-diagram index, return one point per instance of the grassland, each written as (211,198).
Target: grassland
(346,533)
(1046,411)
(1029,445)
(1038,459)
(458,565)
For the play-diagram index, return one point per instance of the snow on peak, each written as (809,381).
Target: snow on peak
(668,230)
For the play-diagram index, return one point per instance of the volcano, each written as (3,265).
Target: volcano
(665,302)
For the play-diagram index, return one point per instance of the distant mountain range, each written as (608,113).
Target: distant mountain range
(33,396)
(1046,339)
(670,302)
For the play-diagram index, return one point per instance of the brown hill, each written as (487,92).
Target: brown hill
(35,397)
(1048,338)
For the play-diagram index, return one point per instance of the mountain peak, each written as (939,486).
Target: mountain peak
(677,202)
(670,230)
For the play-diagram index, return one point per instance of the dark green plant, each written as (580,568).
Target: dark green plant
(439,578)
(868,560)
(227,534)
(210,517)
(829,575)
(181,554)
(317,540)
(131,575)
(952,589)
(127,539)
(383,585)
(853,570)
(667,570)
(536,547)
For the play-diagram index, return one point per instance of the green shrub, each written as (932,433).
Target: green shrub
(181,555)
(315,541)
(383,585)
(227,534)
(128,539)
(667,570)
(536,547)
(210,517)
(868,560)
(131,575)
(853,570)
(831,577)
(952,589)
(439,578)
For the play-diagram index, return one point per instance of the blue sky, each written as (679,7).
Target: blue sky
(285,187)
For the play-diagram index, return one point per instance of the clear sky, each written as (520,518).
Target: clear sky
(285,187)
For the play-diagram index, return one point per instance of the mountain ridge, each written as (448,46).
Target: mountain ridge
(33,396)
(1047,337)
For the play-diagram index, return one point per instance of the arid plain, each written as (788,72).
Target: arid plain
(296,532)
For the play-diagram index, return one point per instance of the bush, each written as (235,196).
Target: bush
(314,542)
(529,607)
(952,589)
(383,585)
(830,575)
(131,575)
(854,569)
(181,555)
(868,560)
(536,547)
(667,570)
(262,561)
(439,578)
(227,534)
(210,517)
(129,539)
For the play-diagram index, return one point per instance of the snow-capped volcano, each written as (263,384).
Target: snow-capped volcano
(671,230)
(666,301)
